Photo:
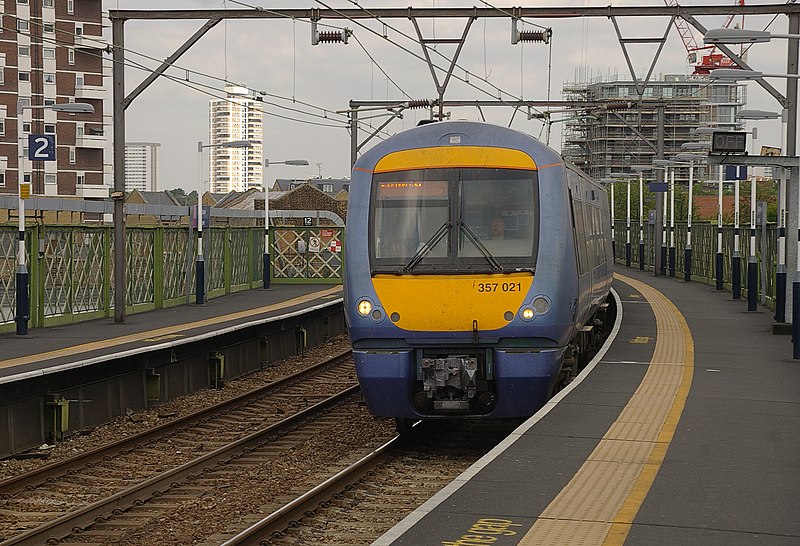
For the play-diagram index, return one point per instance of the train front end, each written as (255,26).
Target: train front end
(446,312)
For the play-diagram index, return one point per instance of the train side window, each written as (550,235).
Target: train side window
(578,234)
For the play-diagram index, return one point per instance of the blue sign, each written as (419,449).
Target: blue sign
(657,187)
(735,172)
(42,147)
(206,216)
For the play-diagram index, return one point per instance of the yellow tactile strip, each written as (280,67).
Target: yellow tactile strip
(166,331)
(600,502)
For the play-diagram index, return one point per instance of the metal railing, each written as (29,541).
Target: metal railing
(71,267)
(704,250)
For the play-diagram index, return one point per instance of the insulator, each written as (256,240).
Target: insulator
(617,105)
(330,36)
(518,36)
(419,103)
(535,36)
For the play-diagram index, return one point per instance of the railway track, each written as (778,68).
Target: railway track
(49,502)
(366,499)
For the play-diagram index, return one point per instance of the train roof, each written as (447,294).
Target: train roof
(461,133)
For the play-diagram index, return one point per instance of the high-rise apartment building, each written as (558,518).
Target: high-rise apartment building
(610,131)
(238,117)
(141,166)
(51,52)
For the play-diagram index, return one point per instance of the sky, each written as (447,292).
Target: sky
(304,86)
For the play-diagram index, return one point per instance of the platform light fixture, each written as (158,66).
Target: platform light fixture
(735,36)
(267,163)
(23,192)
(200,268)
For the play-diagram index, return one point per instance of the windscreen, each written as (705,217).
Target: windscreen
(451,220)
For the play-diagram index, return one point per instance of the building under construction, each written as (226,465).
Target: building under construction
(618,128)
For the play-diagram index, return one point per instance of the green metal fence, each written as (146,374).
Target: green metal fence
(704,250)
(71,267)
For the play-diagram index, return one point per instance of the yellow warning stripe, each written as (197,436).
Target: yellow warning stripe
(166,331)
(599,504)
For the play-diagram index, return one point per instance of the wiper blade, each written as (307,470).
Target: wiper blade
(427,246)
(486,254)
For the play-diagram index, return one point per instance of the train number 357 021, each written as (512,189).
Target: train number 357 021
(499,287)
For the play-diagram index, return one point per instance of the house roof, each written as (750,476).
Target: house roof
(156,197)
(336,184)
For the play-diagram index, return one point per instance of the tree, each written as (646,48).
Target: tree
(179,195)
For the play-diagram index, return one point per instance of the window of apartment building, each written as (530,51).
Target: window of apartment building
(22,25)
(70,6)
(81,179)
(49,102)
(78,30)
(70,56)
(26,127)
(50,128)
(24,51)
(49,78)
(22,1)
(72,155)
(24,76)
(24,101)
(326,188)
(47,3)
(2,127)
(48,27)
(49,53)
(2,179)
(79,131)
(49,178)
(79,80)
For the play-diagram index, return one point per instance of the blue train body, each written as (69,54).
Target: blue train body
(475,258)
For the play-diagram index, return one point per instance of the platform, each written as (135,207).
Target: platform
(50,350)
(685,430)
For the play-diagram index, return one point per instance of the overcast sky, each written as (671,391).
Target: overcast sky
(305,85)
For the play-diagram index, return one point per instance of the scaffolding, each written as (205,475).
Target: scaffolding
(601,137)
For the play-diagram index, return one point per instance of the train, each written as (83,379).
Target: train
(477,264)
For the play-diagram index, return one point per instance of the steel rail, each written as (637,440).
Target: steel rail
(293,510)
(140,493)
(40,475)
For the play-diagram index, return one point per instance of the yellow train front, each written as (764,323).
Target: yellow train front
(474,257)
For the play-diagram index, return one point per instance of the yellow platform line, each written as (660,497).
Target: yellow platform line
(599,504)
(167,330)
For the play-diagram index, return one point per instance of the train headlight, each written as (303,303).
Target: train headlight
(541,305)
(364,307)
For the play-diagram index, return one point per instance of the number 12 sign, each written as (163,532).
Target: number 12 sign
(42,147)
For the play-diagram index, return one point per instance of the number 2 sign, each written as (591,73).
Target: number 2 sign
(42,147)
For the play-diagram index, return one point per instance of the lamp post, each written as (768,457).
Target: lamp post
(669,165)
(752,263)
(267,163)
(23,191)
(627,215)
(200,265)
(610,183)
(640,169)
(691,158)
(719,258)
(780,273)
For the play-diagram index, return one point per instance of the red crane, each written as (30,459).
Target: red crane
(710,58)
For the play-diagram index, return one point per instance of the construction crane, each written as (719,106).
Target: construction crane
(710,58)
